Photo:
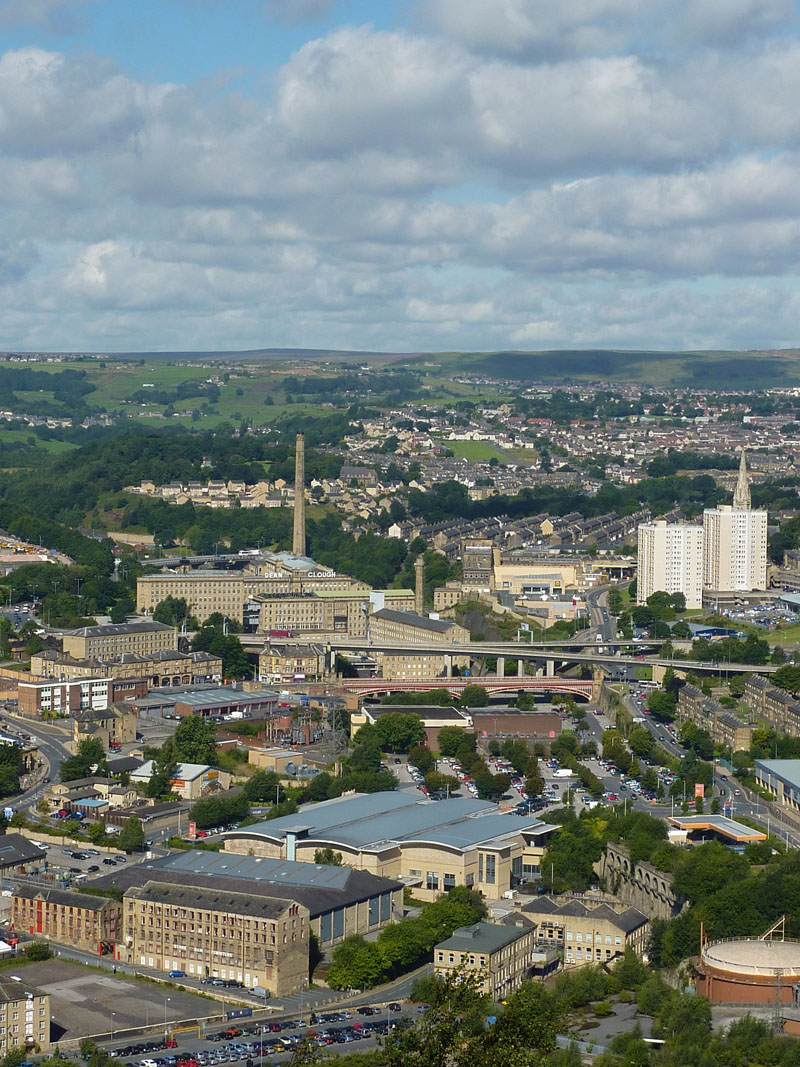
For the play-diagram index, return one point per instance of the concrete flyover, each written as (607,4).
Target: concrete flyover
(456,686)
(521,651)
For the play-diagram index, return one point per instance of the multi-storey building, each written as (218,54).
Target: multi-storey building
(257,940)
(37,699)
(779,708)
(79,920)
(334,612)
(734,549)
(24,1016)
(158,669)
(113,727)
(500,954)
(341,901)
(756,688)
(328,611)
(585,931)
(477,564)
(112,641)
(671,561)
(287,661)
(226,592)
(723,726)
(390,625)
(411,666)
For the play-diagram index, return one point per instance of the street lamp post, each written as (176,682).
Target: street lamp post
(112,1026)
(166,1001)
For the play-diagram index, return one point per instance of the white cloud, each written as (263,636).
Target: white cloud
(551,29)
(402,187)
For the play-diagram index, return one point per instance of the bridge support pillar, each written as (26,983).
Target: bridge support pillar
(598,677)
(501,666)
(448,665)
(551,668)
(520,668)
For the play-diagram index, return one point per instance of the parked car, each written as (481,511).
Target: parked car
(177,974)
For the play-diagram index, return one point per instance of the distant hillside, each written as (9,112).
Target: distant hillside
(720,369)
(724,370)
(280,354)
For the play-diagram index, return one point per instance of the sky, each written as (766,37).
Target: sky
(399,175)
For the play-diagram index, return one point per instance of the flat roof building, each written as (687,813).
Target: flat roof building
(781,777)
(670,561)
(700,828)
(433,845)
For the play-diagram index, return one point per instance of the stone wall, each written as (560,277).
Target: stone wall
(639,884)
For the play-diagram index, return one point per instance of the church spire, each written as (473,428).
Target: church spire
(741,494)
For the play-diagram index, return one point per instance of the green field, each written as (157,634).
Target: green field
(475,451)
(17,437)
(786,635)
(524,455)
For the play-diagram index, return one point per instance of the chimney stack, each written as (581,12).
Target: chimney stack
(419,585)
(299,534)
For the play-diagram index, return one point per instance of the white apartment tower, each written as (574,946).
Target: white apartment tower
(670,561)
(735,550)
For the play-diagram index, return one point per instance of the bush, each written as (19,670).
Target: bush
(38,951)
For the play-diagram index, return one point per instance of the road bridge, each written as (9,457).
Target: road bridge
(455,686)
(521,651)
